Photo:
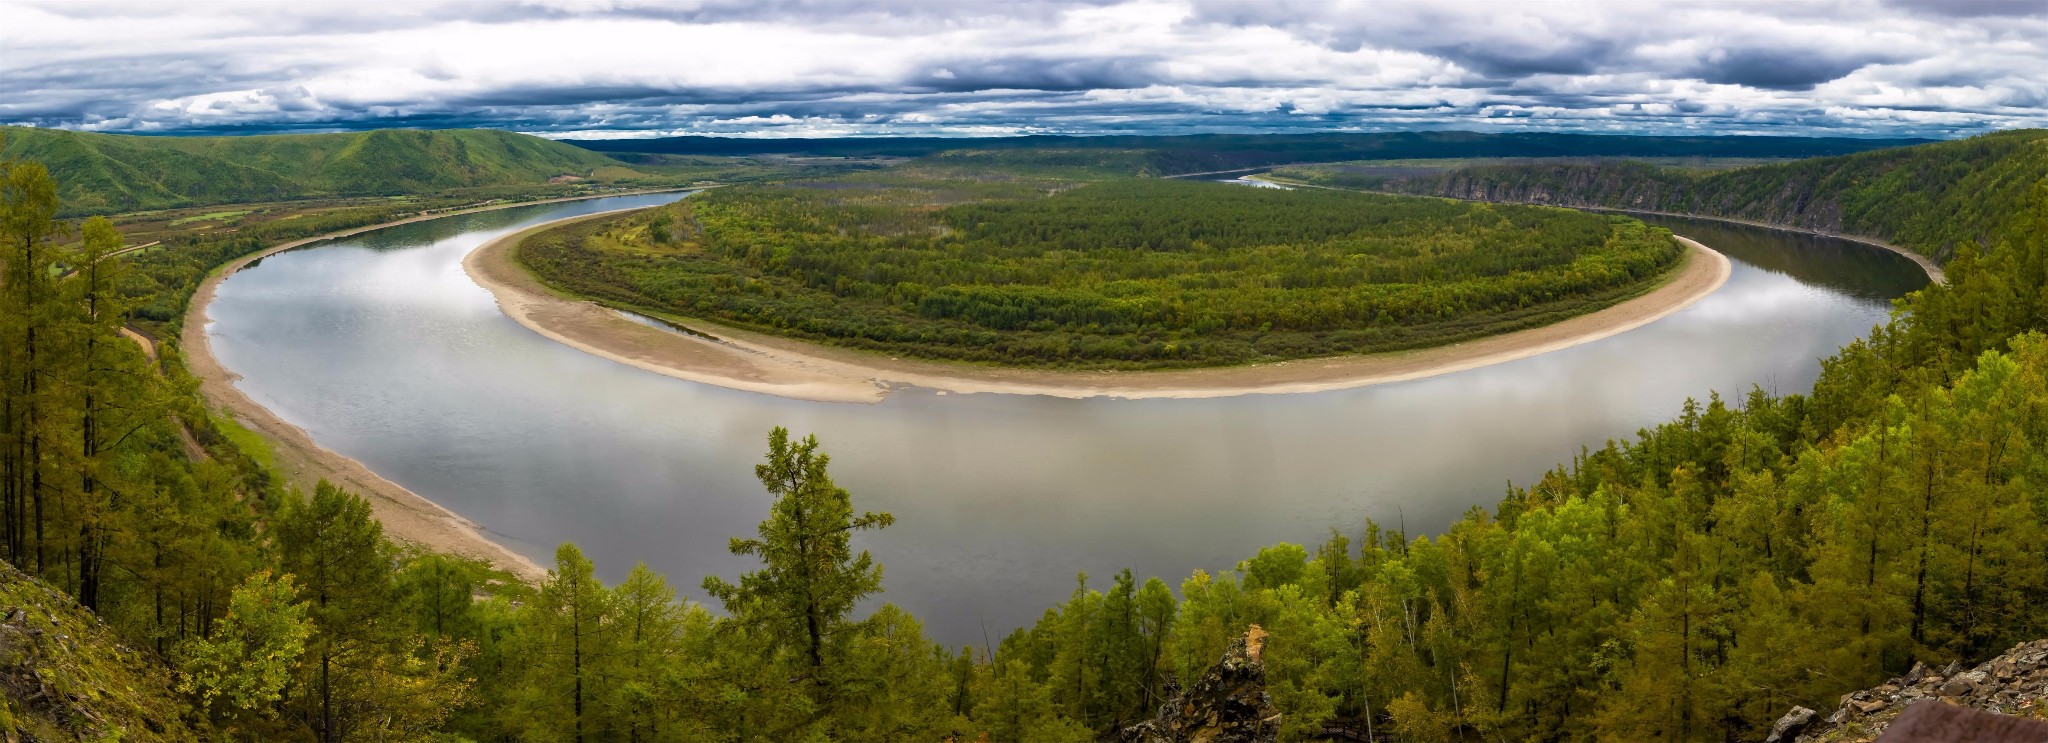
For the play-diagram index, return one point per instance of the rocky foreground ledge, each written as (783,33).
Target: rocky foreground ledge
(1228,705)
(2003,700)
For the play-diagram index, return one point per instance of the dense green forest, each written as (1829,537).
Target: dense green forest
(1170,155)
(1690,583)
(1116,273)
(107,173)
(1933,198)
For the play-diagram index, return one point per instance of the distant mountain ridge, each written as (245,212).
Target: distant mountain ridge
(1176,154)
(102,173)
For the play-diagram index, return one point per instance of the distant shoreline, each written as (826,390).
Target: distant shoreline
(720,355)
(407,517)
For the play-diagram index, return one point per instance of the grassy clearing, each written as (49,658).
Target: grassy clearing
(210,216)
(250,443)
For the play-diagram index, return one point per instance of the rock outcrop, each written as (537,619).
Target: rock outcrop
(63,676)
(2014,685)
(1228,705)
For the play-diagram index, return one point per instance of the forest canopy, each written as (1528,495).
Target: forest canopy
(1687,584)
(1932,199)
(1045,269)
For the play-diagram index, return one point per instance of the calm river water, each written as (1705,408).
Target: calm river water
(383,350)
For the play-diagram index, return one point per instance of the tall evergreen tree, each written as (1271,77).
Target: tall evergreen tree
(811,579)
(337,551)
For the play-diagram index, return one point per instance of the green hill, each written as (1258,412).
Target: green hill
(104,173)
(1192,153)
(1931,198)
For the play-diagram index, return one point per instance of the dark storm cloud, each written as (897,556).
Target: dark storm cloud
(896,66)
(1974,8)
(1777,69)
(885,16)
(1579,57)
(1030,73)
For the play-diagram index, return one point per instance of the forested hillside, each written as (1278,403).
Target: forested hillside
(1690,583)
(106,173)
(1120,273)
(1931,197)
(1169,155)
(66,676)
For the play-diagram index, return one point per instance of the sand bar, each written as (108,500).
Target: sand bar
(756,362)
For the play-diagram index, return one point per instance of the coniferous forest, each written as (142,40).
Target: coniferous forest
(1116,273)
(1934,198)
(1688,583)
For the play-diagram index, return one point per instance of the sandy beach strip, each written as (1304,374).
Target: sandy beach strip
(407,517)
(739,359)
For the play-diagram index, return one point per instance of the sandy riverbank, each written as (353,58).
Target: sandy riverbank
(407,517)
(755,362)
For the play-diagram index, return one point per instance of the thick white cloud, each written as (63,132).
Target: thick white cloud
(893,66)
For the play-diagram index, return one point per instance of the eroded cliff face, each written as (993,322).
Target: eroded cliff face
(1228,705)
(2012,688)
(1793,201)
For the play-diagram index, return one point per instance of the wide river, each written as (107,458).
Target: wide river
(382,349)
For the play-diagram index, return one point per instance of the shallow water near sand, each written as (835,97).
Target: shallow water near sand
(383,350)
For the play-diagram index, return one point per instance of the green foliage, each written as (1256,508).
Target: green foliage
(1933,198)
(67,676)
(1120,273)
(1692,583)
(244,665)
(810,578)
(1212,152)
(105,173)
(1688,584)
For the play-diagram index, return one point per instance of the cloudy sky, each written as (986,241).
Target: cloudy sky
(877,67)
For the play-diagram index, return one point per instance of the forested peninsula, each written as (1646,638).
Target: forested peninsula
(1108,273)
(1690,583)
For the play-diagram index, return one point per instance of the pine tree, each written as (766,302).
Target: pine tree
(811,579)
(111,397)
(572,634)
(336,550)
(28,226)
(649,636)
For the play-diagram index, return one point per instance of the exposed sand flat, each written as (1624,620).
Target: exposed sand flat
(756,362)
(407,517)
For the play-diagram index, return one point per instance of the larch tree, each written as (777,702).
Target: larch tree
(336,550)
(28,228)
(810,579)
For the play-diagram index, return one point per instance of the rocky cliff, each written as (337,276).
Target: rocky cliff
(1228,705)
(2013,685)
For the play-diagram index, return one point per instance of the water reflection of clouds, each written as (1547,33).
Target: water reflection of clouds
(1773,298)
(1000,499)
